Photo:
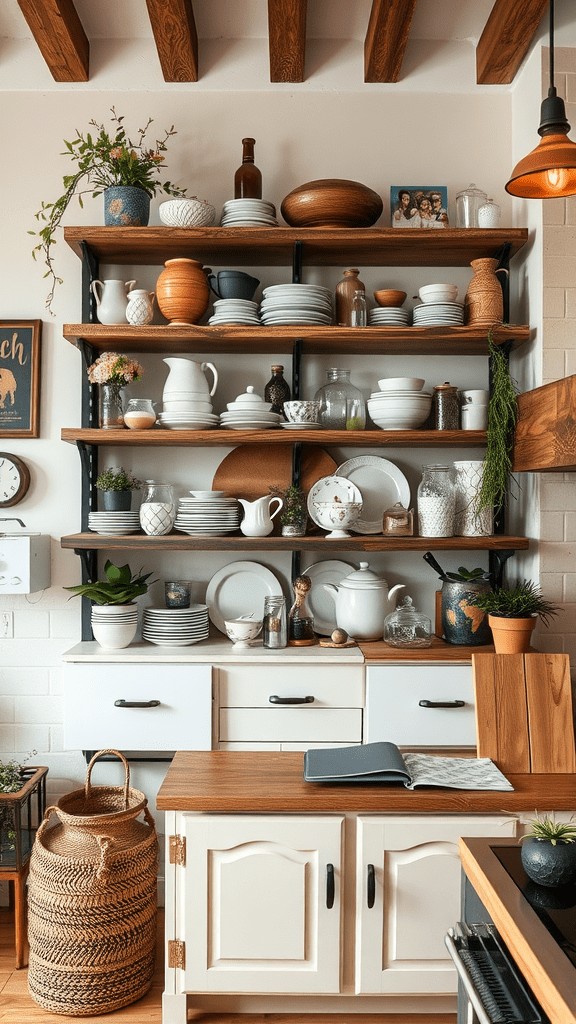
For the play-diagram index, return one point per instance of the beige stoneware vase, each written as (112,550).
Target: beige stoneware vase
(182,291)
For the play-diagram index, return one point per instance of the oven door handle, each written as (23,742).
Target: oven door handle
(465,978)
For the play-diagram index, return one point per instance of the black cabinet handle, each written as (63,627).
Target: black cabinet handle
(370,887)
(441,703)
(329,886)
(290,700)
(137,703)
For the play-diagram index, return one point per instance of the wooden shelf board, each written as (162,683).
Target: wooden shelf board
(163,338)
(386,247)
(232,438)
(313,541)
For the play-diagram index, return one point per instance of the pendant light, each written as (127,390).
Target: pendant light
(549,171)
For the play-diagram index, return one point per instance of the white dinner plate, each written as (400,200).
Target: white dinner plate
(318,600)
(331,488)
(239,589)
(382,484)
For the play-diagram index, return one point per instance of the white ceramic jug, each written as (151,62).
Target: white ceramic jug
(362,602)
(139,310)
(187,376)
(257,521)
(111,300)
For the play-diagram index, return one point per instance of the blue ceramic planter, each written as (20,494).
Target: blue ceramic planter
(126,206)
(462,622)
(547,864)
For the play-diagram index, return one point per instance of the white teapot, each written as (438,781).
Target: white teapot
(363,601)
(257,521)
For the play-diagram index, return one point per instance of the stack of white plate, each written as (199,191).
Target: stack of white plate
(175,627)
(246,213)
(438,314)
(392,316)
(296,304)
(188,420)
(213,517)
(235,311)
(249,412)
(114,524)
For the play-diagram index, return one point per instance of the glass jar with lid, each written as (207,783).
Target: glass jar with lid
(341,404)
(489,215)
(468,202)
(407,627)
(436,500)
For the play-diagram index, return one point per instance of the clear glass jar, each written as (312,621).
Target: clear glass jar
(158,509)
(274,627)
(436,500)
(468,202)
(359,315)
(406,627)
(489,215)
(446,407)
(140,414)
(110,412)
(342,405)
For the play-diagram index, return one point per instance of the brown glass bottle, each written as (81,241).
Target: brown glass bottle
(248,179)
(345,296)
(277,391)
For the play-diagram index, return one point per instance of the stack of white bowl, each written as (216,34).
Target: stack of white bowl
(249,412)
(187,410)
(400,404)
(438,307)
(248,213)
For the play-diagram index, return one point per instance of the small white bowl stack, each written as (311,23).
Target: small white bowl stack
(249,412)
(114,625)
(400,404)
(175,627)
(438,307)
(248,213)
(294,304)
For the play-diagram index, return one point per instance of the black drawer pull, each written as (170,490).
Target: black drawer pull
(329,886)
(441,703)
(370,887)
(290,700)
(137,703)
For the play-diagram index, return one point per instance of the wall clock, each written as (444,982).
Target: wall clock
(14,479)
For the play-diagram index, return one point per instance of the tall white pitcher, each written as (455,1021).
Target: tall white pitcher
(189,377)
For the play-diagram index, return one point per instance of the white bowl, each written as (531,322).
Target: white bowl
(242,631)
(438,292)
(337,516)
(401,384)
(186,213)
(191,405)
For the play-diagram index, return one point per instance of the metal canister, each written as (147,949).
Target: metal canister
(446,407)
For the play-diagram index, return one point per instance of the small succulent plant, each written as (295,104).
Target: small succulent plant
(547,828)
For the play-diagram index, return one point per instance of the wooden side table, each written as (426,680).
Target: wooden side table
(17,878)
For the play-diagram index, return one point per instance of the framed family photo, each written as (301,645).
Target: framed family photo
(20,378)
(419,206)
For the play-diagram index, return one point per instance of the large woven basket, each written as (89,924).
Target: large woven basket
(92,900)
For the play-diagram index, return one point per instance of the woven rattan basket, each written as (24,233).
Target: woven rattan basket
(92,900)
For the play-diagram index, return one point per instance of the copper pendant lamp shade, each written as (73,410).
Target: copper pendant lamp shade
(549,171)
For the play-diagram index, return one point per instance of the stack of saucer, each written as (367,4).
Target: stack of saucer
(114,524)
(175,627)
(438,314)
(249,412)
(211,516)
(393,316)
(235,311)
(246,213)
(296,304)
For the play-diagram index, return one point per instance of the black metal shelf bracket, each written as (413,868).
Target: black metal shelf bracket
(90,271)
(297,262)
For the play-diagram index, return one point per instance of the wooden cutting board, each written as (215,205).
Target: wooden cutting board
(250,470)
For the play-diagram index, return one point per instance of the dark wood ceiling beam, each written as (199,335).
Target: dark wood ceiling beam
(386,39)
(60,37)
(506,39)
(176,39)
(287,39)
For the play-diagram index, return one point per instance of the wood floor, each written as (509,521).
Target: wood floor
(16,1006)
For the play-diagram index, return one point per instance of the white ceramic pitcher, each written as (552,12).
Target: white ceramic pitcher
(187,376)
(257,521)
(111,300)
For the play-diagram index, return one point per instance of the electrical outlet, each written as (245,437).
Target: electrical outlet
(6,624)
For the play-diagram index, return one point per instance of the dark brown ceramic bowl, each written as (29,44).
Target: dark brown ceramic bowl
(331,203)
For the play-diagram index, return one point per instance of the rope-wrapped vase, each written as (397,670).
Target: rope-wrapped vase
(92,900)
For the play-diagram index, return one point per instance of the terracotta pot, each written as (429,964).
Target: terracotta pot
(484,304)
(182,291)
(511,636)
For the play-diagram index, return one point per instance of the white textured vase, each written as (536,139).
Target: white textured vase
(467,483)
(157,517)
(140,308)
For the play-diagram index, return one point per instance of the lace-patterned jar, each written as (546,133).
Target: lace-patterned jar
(436,498)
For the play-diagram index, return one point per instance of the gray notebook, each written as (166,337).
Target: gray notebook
(383,763)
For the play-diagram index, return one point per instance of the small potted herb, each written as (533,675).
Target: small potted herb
(117,486)
(549,850)
(512,614)
(293,515)
(115,620)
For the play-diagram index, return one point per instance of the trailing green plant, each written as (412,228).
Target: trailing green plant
(293,511)
(117,480)
(517,602)
(119,587)
(548,828)
(502,416)
(469,575)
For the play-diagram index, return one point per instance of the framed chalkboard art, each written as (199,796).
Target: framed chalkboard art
(20,378)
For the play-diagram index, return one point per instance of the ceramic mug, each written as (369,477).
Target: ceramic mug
(233,284)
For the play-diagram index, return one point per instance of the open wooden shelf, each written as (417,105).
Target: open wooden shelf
(232,438)
(274,246)
(313,541)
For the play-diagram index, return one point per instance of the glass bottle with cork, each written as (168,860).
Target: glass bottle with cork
(300,621)
(248,179)
(277,390)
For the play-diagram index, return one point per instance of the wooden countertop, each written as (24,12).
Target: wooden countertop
(262,781)
(548,972)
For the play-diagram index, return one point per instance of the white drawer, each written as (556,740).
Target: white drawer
(291,724)
(251,686)
(394,712)
(182,720)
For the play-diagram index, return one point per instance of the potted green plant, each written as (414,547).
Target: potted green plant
(117,486)
(113,372)
(115,619)
(549,850)
(512,614)
(109,163)
(19,817)
(293,515)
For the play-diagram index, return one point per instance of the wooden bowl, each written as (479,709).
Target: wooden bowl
(331,203)
(389,297)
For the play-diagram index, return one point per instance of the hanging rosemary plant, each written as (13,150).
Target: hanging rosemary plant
(502,415)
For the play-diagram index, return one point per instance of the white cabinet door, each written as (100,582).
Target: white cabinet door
(255,903)
(394,710)
(416,898)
